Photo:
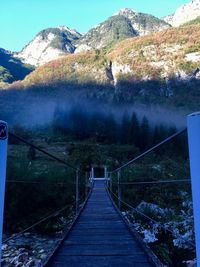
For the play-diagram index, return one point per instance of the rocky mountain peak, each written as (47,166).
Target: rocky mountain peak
(67,29)
(128,12)
(123,24)
(49,44)
(184,13)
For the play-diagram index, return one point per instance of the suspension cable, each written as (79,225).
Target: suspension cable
(154,182)
(42,182)
(47,217)
(42,151)
(168,139)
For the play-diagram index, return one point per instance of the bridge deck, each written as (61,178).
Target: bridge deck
(100,237)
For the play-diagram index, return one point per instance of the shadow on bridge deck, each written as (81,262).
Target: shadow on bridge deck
(100,237)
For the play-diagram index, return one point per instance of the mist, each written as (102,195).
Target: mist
(35,109)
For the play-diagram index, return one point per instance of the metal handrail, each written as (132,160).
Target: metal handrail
(144,215)
(168,139)
(47,217)
(154,182)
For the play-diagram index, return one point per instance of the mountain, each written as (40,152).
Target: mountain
(143,23)
(11,68)
(49,44)
(123,24)
(184,13)
(164,65)
(161,55)
(53,43)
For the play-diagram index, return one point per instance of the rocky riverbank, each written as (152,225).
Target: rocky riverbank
(28,250)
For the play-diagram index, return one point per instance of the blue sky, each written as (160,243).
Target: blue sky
(21,20)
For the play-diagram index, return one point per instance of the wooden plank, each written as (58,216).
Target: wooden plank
(97,250)
(103,261)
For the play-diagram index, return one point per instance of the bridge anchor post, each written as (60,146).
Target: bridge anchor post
(3,161)
(193,122)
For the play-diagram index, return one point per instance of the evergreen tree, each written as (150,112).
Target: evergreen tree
(125,129)
(31,153)
(78,122)
(111,129)
(145,134)
(134,131)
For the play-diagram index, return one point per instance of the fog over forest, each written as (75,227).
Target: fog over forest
(32,109)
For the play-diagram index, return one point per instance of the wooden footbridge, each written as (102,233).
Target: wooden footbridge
(100,237)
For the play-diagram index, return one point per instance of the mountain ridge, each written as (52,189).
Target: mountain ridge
(52,43)
(164,65)
(123,24)
(49,44)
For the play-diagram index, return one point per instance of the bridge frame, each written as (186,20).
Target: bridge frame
(3,161)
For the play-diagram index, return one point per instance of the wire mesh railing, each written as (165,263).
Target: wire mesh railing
(153,192)
(43,191)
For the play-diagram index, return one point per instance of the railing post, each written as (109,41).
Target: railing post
(193,122)
(3,160)
(110,182)
(108,177)
(119,189)
(92,172)
(77,190)
(105,173)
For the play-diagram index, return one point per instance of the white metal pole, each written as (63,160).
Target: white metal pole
(105,173)
(193,122)
(3,160)
(92,173)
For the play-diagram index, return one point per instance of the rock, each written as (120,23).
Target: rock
(38,264)
(43,256)
(22,257)
(193,57)
(82,48)
(22,250)
(191,263)
(4,247)
(30,263)
(28,251)
(19,264)
(118,69)
(149,237)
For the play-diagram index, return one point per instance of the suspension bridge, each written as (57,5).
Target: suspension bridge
(100,233)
